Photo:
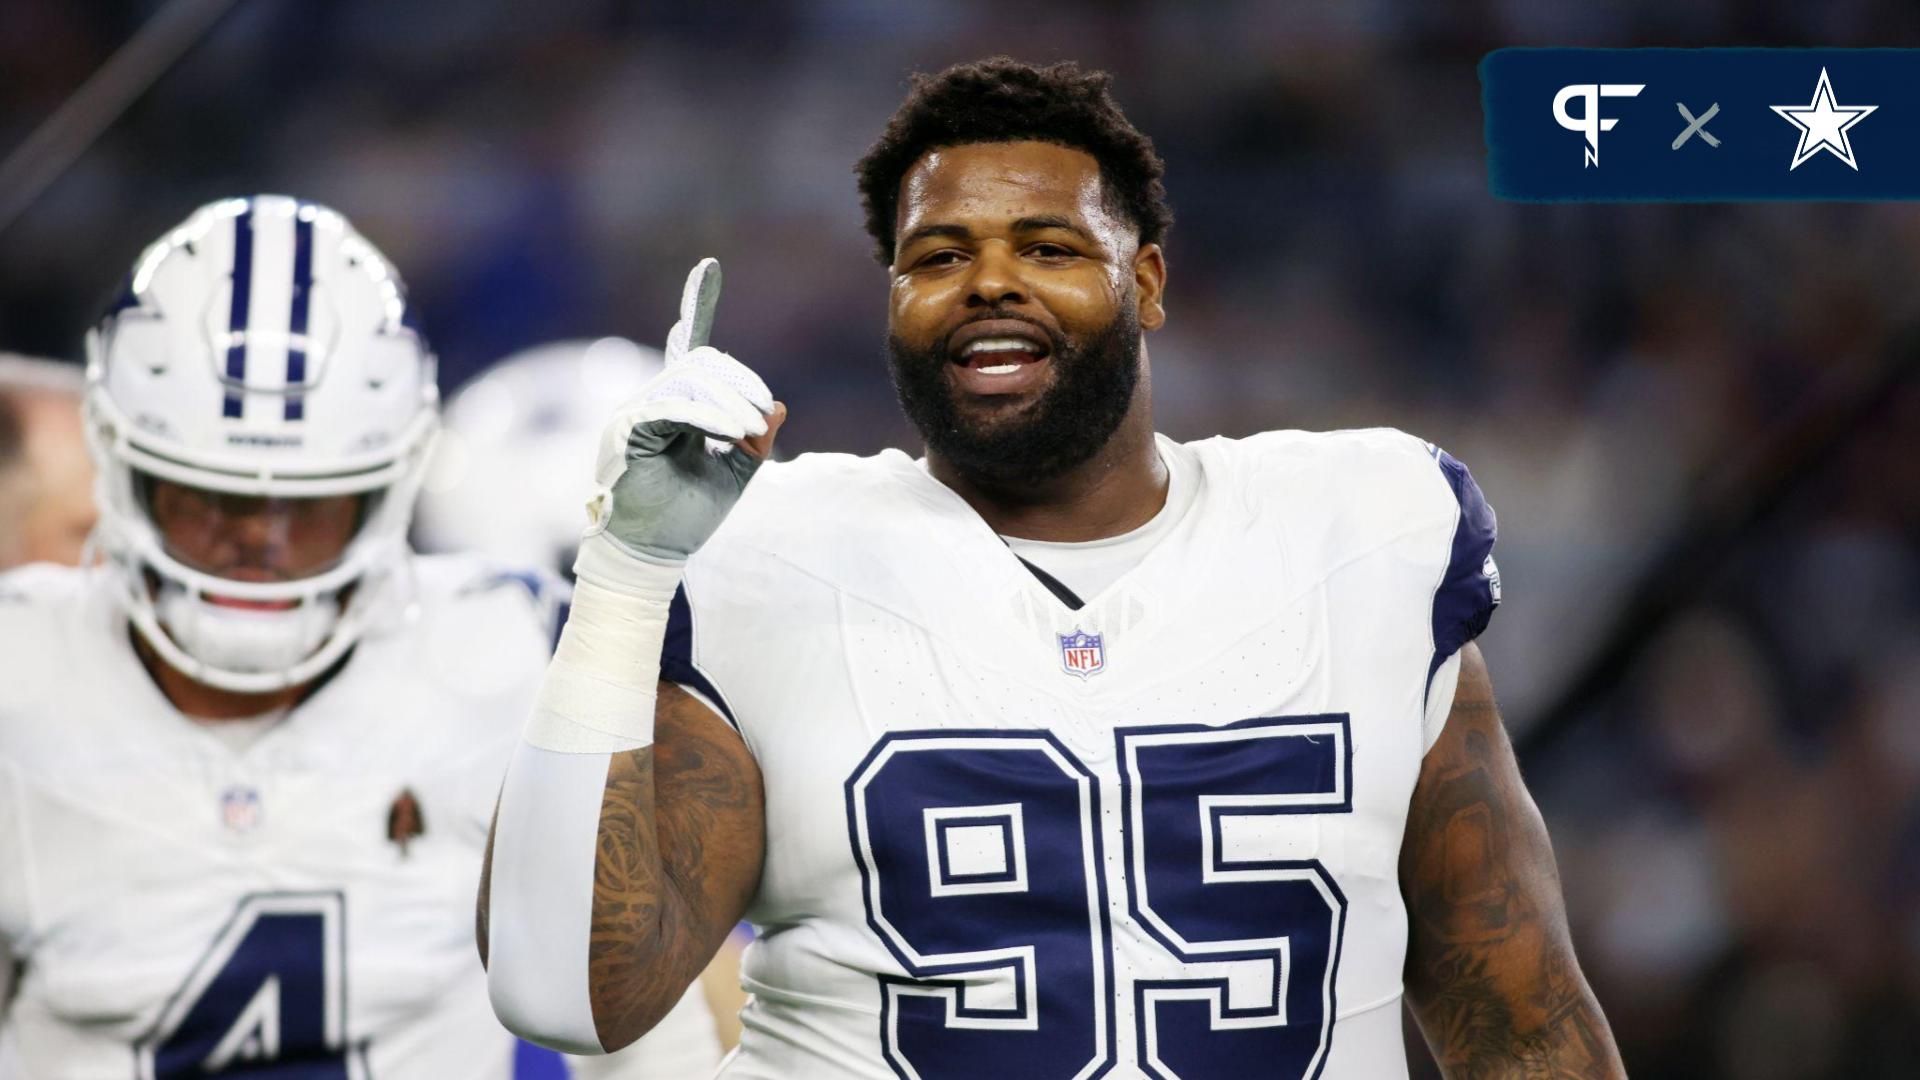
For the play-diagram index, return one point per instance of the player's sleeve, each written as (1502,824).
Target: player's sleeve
(678,662)
(1467,592)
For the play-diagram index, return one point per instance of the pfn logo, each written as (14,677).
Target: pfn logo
(1589,122)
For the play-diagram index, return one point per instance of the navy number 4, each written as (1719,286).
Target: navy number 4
(981,859)
(268,999)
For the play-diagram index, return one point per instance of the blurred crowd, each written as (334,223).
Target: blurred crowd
(1737,818)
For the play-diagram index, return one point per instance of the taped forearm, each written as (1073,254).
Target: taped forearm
(598,695)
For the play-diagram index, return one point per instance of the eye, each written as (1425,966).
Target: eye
(183,499)
(1051,251)
(943,257)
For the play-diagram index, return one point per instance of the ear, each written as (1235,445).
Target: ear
(1150,283)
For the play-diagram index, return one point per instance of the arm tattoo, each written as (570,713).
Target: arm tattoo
(1491,973)
(682,832)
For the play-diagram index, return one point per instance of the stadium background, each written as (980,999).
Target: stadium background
(1736,809)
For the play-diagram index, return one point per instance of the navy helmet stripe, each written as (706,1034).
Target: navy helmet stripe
(123,299)
(237,314)
(297,319)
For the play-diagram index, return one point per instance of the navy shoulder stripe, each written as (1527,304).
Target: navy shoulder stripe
(676,655)
(1470,589)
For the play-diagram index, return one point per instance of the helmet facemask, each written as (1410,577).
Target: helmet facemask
(279,542)
(247,592)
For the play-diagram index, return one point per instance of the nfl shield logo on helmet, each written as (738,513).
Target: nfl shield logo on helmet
(1081,653)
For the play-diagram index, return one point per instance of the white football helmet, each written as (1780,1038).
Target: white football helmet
(262,348)
(514,468)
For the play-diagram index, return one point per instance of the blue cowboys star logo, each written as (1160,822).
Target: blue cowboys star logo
(1823,125)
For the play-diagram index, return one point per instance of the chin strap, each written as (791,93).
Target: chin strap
(242,640)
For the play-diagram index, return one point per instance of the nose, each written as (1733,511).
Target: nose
(995,279)
(256,538)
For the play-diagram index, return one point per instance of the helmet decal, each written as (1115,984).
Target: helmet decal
(242,289)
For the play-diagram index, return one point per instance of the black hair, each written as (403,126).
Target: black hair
(1003,100)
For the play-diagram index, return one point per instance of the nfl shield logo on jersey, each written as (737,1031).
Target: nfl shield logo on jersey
(1081,653)
(240,808)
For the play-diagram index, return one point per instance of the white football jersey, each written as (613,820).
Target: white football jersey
(1156,835)
(302,907)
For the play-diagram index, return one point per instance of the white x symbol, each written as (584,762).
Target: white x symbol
(1696,126)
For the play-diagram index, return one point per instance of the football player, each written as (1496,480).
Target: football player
(1065,751)
(247,761)
(46,480)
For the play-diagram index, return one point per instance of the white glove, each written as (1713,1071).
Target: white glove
(670,464)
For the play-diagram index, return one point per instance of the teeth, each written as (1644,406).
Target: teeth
(1001,344)
(1000,369)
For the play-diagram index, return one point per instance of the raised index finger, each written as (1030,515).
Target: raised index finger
(697,301)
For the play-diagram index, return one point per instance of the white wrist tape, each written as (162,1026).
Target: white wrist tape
(598,695)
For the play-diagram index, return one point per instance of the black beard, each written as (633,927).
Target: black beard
(1093,387)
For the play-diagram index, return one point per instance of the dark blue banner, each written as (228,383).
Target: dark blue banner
(1703,125)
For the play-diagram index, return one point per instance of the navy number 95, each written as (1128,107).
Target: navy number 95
(984,868)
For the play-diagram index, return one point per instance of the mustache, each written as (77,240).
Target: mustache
(241,570)
(260,568)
